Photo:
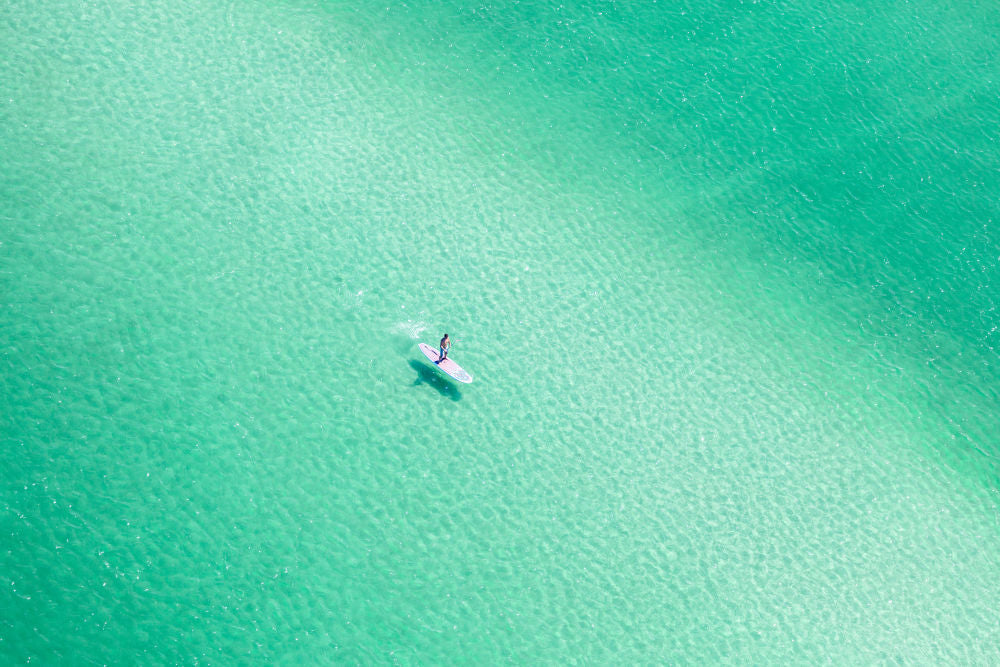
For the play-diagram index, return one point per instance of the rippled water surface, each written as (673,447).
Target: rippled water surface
(724,274)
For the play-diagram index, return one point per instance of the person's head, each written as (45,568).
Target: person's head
(446,335)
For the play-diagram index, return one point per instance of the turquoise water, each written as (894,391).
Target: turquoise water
(724,275)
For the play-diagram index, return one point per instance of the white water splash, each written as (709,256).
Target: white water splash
(410,328)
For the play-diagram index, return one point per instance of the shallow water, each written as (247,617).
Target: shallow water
(723,274)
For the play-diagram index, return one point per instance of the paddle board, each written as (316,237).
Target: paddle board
(448,366)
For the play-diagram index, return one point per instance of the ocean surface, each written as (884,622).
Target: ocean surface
(726,275)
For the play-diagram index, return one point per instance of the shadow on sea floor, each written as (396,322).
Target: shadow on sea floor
(429,376)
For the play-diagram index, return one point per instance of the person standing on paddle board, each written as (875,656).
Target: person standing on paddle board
(445,346)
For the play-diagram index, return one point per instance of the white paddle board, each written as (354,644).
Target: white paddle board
(448,366)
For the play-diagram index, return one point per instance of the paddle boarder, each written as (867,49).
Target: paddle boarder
(445,346)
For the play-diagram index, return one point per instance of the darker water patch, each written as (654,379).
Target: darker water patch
(432,378)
